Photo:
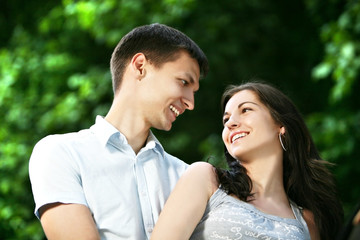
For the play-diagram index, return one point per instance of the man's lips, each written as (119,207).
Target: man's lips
(175,110)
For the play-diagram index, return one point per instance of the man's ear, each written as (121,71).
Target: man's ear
(138,63)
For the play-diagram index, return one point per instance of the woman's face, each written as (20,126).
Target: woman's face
(249,130)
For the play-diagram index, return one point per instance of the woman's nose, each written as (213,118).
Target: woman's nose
(232,123)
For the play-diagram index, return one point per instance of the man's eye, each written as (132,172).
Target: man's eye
(184,82)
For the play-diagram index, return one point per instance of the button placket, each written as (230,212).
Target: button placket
(144,196)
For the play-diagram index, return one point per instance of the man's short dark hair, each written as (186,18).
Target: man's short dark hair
(159,43)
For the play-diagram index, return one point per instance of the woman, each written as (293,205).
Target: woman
(277,186)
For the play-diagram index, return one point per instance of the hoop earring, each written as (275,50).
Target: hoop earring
(282,145)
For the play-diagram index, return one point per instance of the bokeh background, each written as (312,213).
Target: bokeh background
(54,78)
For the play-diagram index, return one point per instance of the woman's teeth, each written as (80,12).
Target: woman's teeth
(237,136)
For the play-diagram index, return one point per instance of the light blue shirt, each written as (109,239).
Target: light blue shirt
(96,167)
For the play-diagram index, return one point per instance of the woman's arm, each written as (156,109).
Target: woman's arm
(187,202)
(310,222)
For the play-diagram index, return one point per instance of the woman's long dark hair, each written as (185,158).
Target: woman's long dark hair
(307,180)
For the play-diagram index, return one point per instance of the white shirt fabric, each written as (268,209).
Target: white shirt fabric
(96,167)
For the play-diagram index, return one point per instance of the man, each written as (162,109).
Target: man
(111,181)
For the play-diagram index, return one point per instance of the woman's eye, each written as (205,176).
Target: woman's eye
(244,110)
(225,120)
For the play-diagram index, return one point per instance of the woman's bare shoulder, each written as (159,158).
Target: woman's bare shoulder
(202,166)
(204,172)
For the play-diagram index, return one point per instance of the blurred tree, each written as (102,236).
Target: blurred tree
(337,128)
(54,77)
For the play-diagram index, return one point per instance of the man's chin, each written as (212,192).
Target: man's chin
(164,127)
(167,128)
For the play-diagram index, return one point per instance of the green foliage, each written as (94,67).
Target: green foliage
(342,46)
(54,78)
(336,130)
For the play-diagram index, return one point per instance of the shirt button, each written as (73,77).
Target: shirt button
(150,229)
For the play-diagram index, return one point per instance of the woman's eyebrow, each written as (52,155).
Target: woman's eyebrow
(240,105)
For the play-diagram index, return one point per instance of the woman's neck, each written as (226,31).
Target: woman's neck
(268,187)
(266,176)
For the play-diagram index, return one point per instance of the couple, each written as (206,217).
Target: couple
(111,181)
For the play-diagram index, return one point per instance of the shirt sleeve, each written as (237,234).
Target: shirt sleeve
(54,173)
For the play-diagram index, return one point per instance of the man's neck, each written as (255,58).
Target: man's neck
(125,119)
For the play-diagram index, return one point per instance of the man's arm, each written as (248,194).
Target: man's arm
(55,178)
(68,221)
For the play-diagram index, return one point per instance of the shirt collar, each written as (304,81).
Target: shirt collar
(105,131)
(108,133)
(153,143)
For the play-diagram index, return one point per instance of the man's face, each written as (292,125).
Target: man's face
(169,90)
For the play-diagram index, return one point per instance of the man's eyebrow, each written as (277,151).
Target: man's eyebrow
(188,75)
(191,79)
(240,105)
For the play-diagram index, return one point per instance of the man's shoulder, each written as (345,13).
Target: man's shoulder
(65,139)
(63,149)
(175,160)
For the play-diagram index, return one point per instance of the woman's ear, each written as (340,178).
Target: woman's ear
(282,130)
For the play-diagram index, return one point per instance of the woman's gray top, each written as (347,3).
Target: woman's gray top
(228,218)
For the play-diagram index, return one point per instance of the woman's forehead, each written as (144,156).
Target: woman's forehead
(243,96)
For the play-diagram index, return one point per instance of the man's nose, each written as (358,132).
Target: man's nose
(189,101)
